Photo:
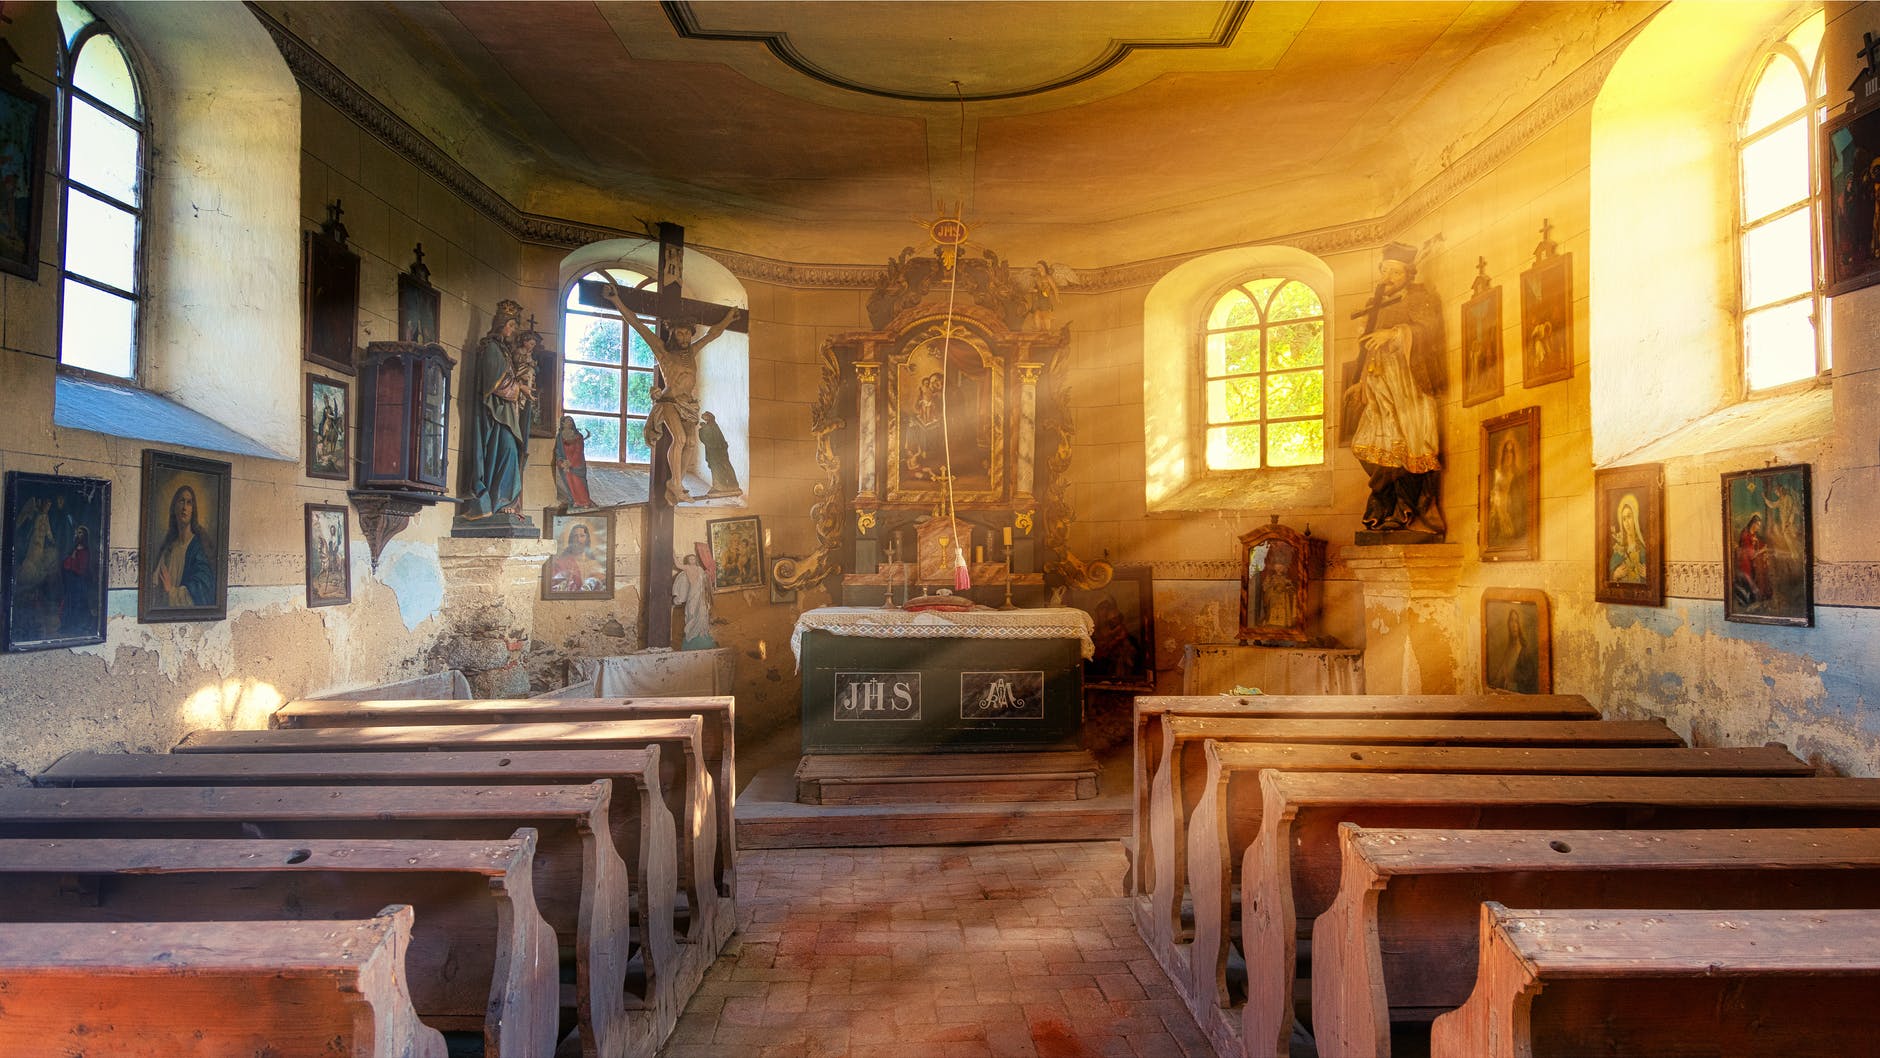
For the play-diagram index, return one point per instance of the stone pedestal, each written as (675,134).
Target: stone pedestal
(490,588)
(1413,636)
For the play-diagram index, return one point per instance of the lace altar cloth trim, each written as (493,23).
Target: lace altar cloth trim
(1050,622)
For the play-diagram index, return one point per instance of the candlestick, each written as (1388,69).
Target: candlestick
(1008,580)
(888,602)
(1006,534)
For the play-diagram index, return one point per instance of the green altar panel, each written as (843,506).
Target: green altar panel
(863,694)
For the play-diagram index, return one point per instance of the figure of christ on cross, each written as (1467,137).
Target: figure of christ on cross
(675,396)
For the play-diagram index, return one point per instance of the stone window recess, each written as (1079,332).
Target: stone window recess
(607,376)
(1778,241)
(1263,376)
(101,137)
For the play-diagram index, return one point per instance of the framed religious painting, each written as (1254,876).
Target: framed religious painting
(329,428)
(1123,612)
(1547,320)
(330,307)
(1629,535)
(737,546)
(329,555)
(56,543)
(946,391)
(1768,551)
(1509,487)
(182,539)
(1850,147)
(547,420)
(1517,641)
(582,566)
(1481,347)
(419,304)
(1277,565)
(23,169)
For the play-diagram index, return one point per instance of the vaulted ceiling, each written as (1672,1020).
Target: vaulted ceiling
(1106,131)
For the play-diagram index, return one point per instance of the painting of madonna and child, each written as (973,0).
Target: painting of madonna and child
(1768,557)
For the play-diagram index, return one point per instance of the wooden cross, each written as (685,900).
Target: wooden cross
(332,228)
(1869,52)
(1547,246)
(1482,282)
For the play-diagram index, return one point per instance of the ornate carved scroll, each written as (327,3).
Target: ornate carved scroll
(1057,503)
(791,574)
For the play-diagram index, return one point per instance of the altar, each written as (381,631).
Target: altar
(885,680)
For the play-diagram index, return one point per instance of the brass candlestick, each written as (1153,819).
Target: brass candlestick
(888,602)
(1008,583)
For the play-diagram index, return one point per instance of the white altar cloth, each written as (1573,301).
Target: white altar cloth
(1046,622)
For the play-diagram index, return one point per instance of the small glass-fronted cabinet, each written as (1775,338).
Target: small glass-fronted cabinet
(405,424)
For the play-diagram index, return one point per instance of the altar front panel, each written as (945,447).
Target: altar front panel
(874,695)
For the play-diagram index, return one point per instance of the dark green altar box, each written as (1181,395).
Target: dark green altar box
(868,695)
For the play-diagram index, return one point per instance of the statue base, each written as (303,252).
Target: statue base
(495,527)
(1367,537)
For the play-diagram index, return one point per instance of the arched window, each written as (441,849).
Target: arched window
(1263,373)
(101,208)
(1783,321)
(607,381)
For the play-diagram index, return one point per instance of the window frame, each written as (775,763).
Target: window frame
(67,89)
(1204,377)
(627,418)
(1811,113)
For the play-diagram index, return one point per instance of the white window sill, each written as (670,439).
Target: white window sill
(1249,490)
(81,403)
(1786,418)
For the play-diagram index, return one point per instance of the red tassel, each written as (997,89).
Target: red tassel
(962,577)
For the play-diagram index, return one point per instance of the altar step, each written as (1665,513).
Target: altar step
(945,778)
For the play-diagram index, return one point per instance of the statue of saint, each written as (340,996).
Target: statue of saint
(718,457)
(675,401)
(1400,375)
(502,401)
(571,481)
(692,589)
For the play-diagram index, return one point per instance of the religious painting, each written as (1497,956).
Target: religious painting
(1509,485)
(1276,566)
(1547,321)
(737,546)
(946,419)
(582,566)
(547,421)
(329,432)
(1768,553)
(1124,614)
(1850,155)
(330,312)
(329,555)
(1629,535)
(1481,347)
(182,539)
(1517,641)
(22,178)
(57,541)
(419,306)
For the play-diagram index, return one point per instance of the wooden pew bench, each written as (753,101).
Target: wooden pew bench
(718,742)
(211,990)
(1398,944)
(710,920)
(481,959)
(1747,984)
(1290,873)
(641,826)
(1149,709)
(581,886)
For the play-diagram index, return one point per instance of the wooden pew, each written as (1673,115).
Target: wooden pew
(1228,817)
(688,786)
(1290,873)
(481,958)
(640,824)
(216,990)
(718,737)
(580,884)
(1747,984)
(1399,941)
(1146,732)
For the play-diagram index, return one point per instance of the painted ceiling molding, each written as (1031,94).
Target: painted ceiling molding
(685,22)
(326,81)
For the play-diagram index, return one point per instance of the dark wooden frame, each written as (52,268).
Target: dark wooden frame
(311,442)
(553,525)
(1544,633)
(13,94)
(1140,677)
(1851,204)
(1527,423)
(420,309)
(1547,293)
(345,557)
(100,544)
(156,462)
(1294,631)
(1647,482)
(757,579)
(1480,343)
(330,302)
(547,420)
(1798,616)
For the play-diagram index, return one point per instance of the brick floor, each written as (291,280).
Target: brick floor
(992,951)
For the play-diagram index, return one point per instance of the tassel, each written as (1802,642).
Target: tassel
(962,577)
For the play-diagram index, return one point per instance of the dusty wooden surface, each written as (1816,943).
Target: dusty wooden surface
(1399,941)
(481,957)
(211,990)
(1291,871)
(945,778)
(1668,983)
(581,886)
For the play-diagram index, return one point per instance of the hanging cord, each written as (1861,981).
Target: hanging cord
(962,575)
